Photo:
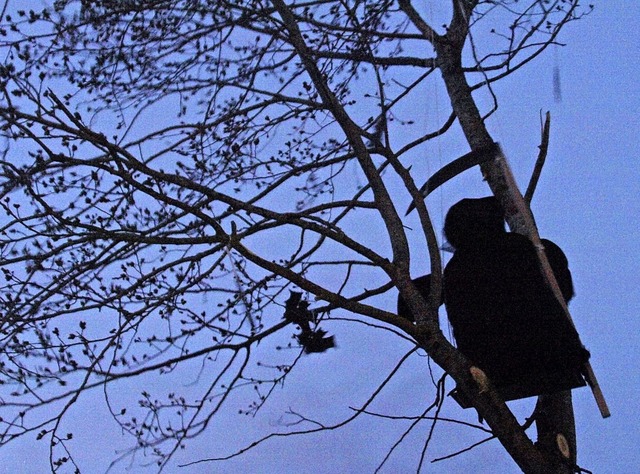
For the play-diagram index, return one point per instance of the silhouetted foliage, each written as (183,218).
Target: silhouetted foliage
(312,340)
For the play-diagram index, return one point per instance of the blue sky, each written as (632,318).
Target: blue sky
(587,202)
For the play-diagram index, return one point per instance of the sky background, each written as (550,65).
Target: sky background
(587,201)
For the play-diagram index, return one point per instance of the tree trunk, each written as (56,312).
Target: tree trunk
(554,413)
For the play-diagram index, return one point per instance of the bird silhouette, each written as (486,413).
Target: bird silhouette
(505,319)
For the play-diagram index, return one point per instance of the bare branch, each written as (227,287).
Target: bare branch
(542,155)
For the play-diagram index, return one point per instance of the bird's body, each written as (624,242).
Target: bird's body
(504,317)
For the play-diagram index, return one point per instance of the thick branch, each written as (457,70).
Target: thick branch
(502,183)
(352,132)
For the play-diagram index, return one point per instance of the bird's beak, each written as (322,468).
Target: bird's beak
(447,247)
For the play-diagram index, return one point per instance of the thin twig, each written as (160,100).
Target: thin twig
(468,448)
(542,156)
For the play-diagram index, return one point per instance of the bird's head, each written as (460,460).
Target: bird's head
(473,221)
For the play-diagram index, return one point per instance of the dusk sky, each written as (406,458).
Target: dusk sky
(587,202)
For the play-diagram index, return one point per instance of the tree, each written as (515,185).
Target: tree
(174,168)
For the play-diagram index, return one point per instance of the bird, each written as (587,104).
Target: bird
(504,317)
